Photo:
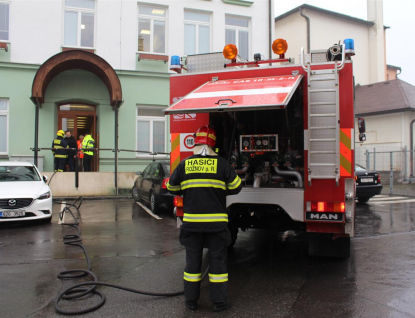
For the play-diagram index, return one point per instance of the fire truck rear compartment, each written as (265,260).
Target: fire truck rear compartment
(266,147)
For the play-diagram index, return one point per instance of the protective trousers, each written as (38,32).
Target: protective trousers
(60,164)
(87,162)
(216,243)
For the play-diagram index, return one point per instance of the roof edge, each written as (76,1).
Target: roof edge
(310,7)
(384,112)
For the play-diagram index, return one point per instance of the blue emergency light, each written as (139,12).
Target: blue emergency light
(175,63)
(349,46)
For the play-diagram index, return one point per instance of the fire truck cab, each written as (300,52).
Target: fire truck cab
(287,129)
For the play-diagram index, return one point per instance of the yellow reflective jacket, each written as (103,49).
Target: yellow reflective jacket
(87,143)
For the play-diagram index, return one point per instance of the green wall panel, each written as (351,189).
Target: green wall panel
(139,88)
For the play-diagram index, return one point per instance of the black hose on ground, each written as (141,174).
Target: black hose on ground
(79,290)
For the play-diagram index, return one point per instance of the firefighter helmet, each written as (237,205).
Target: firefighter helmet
(60,133)
(205,135)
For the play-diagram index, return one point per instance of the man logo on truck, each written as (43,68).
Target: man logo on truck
(334,217)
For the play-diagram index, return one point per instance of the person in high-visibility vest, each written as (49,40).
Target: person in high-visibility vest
(80,152)
(205,179)
(60,155)
(88,143)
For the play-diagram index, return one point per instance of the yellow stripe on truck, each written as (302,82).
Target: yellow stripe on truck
(345,152)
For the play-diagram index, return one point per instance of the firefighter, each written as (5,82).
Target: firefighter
(87,143)
(205,179)
(60,155)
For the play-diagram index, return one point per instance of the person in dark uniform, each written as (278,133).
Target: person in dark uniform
(60,155)
(205,179)
(70,140)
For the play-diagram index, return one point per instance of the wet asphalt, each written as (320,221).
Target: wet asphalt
(268,277)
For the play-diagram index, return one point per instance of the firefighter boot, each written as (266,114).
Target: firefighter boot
(219,306)
(191,304)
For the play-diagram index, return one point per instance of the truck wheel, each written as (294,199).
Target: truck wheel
(134,193)
(363,199)
(324,245)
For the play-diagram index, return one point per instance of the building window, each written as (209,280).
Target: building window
(79,23)
(237,32)
(4,21)
(151,130)
(151,29)
(196,32)
(4,124)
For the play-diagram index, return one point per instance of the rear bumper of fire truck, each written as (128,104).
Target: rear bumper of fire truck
(291,200)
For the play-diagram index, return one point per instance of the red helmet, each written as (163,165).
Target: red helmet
(205,135)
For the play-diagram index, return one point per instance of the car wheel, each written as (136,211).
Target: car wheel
(46,221)
(153,203)
(135,194)
(363,199)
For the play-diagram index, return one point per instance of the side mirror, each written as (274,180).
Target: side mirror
(45,179)
(362,129)
(138,173)
(361,125)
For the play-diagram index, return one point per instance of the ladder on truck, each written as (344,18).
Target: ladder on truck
(323,122)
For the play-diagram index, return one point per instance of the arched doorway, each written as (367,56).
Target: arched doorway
(79,119)
(71,60)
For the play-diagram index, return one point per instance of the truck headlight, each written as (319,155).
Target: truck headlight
(44,196)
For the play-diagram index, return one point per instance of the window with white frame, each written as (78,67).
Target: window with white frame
(151,129)
(79,27)
(4,121)
(151,29)
(4,21)
(196,32)
(237,32)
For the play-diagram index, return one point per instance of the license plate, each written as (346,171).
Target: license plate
(366,180)
(11,214)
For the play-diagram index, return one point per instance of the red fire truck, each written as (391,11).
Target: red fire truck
(288,130)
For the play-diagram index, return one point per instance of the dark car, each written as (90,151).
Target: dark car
(151,186)
(367,184)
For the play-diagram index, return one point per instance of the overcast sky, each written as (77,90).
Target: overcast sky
(399,15)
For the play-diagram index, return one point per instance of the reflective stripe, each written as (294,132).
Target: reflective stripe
(219,217)
(235,183)
(218,278)
(57,147)
(61,156)
(203,183)
(173,188)
(192,277)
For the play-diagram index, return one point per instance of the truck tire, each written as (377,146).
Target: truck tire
(363,199)
(325,246)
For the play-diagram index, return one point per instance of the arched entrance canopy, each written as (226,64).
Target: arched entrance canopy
(71,60)
(76,59)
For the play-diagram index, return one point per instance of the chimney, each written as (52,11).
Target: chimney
(377,55)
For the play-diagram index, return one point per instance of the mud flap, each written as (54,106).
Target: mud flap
(324,245)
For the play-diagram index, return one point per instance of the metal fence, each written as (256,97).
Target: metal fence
(396,168)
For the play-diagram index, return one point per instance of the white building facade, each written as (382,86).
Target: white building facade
(327,28)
